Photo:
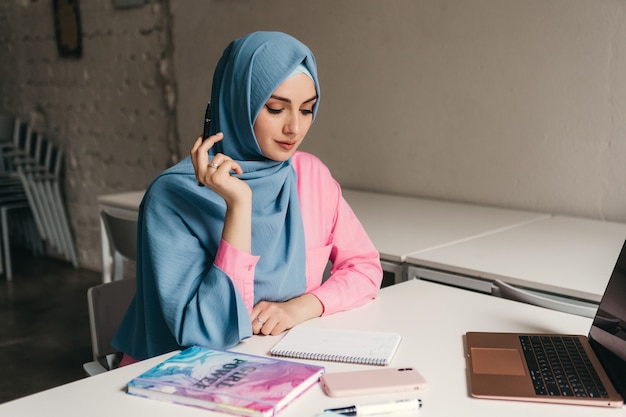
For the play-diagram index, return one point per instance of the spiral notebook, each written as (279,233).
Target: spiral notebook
(339,345)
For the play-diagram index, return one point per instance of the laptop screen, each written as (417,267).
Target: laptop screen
(608,332)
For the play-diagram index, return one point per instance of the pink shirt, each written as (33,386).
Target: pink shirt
(332,232)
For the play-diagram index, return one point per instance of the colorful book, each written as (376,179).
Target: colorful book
(226,381)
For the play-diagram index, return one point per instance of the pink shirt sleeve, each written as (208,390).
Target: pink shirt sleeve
(239,266)
(333,232)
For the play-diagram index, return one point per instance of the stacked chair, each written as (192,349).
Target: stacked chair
(17,221)
(30,194)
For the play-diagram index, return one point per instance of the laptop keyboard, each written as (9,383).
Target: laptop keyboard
(559,366)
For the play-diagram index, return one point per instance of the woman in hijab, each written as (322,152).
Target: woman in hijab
(246,253)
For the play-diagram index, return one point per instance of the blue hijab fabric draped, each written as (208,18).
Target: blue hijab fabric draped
(182,297)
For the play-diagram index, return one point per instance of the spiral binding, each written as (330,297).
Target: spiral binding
(330,357)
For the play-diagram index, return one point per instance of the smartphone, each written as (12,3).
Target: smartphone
(372,381)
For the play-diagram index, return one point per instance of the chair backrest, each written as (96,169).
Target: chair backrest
(122,234)
(107,306)
(7,127)
(21,136)
(55,162)
(13,133)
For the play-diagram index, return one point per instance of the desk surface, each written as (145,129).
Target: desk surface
(400,226)
(432,319)
(128,200)
(565,255)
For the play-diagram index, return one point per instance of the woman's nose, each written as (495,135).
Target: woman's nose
(292,124)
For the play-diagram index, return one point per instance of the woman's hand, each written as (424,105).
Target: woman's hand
(216,175)
(274,318)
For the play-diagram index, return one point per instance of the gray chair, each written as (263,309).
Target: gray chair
(9,136)
(19,223)
(30,171)
(122,236)
(107,306)
(44,182)
(580,308)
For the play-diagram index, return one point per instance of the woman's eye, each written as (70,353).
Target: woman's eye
(272,110)
(306,111)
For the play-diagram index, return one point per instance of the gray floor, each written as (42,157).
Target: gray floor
(44,325)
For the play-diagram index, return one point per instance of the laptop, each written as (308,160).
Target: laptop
(524,367)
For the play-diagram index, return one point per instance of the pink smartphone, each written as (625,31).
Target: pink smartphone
(372,381)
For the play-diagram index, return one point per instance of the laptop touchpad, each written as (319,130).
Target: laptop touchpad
(497,362)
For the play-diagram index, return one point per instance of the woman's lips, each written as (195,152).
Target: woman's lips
(287,145)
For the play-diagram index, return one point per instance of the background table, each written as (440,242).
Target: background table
(400,226)
(568,256)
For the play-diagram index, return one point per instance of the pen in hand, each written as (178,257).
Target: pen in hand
(207,125)
(207,121)
(390,407)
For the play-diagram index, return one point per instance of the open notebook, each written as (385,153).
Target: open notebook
(339,345)
(524,367)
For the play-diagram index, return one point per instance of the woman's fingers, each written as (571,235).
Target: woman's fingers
(216,171)
(267,326)
(210,141)
(201,146)
(200,154)
(269,318)
(217,174)
(223,164)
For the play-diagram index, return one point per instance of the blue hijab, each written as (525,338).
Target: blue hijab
(182,297)
(250,70)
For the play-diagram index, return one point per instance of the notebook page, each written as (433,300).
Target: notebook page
(341,345)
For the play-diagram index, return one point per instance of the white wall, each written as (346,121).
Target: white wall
(514,103)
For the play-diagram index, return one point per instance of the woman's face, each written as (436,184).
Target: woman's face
(286,117)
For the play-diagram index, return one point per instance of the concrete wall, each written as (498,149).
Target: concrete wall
(512,103)
(107,110)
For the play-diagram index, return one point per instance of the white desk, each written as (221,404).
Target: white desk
(432,319)
(401,226)
(127,203)
(124,205)
(570,256)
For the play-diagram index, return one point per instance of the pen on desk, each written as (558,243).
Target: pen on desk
(409,405)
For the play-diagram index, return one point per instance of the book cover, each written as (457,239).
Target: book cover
(225,381)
